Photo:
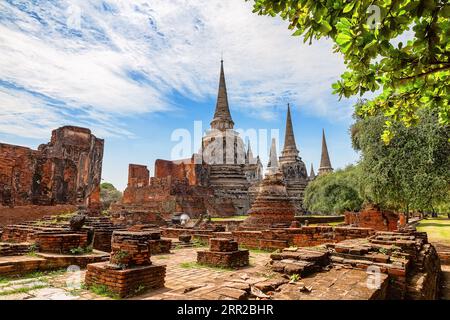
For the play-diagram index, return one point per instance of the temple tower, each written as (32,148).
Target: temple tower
(253,168)
(312,174)
(273,206)
(325,163)
(224,150)
(293,168)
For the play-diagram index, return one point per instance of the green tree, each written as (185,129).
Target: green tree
(412,172)
(411,76)
(109,195)
(335,192)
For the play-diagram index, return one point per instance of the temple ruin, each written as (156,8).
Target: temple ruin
(293,168)
(215,181)
(222,179)
(65,171)
(139,249)
(325,163)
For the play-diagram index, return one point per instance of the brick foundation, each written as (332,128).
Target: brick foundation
(130,248)
(61,243)
(102,240)
(130,270)
(126,282)
(160,246)
(14,249)
(223,253)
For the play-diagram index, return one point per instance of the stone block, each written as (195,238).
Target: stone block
(223,245)
(224,259)
(128,282)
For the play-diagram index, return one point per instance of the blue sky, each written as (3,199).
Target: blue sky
(135,71)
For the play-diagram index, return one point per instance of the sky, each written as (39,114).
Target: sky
(138,72)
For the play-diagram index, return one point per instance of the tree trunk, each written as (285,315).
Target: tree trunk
(433,212)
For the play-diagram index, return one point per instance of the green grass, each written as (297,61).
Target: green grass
(102,290)
(438,229)
(257,251)
(196,243)
(40,275)
(22,290)
(229,218)
(333,224)
(195,265)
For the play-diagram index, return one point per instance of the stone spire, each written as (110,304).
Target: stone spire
(249,159)
(312,174)
(273,206)
(290,151)
(222,117)
(272,166)
(325,163)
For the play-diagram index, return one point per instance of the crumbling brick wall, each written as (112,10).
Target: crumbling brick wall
(176,187)
(373,217)
(67,170)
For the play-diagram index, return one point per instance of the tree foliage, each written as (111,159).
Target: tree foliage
(411,76)
(412,172)
(109,195)
(334,192)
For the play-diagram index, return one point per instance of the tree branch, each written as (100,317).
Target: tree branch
(447,67)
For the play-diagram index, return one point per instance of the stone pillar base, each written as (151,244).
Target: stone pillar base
(234,259)
(127,282)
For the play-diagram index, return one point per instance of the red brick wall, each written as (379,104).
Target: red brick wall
(19,214)
(67,170)
(138,175)
(372,217)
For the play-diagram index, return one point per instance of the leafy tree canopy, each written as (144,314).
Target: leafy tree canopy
(107,186)
(335,192)
(411,76)
(412,172)
(109,194)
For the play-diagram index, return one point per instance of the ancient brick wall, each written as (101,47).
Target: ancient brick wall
(67,170)
(138,176)
(373,217)
(183,186)
(176,187)
(195,174)
(299,237)
(19,214)
(61,243)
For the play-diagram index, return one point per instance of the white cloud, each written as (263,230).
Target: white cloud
(168,46)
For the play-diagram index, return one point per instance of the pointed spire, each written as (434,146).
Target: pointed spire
(290,151)
(272,166)
(325,163)
(222,118)
(312,174)
(249,156)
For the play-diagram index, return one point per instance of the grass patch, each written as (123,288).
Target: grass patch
(197,243)
(38,275)
(331,224)
(102,290)
(22,290)
(81,251)
(195,265)
(229,218)
(438,229)
(258,251)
